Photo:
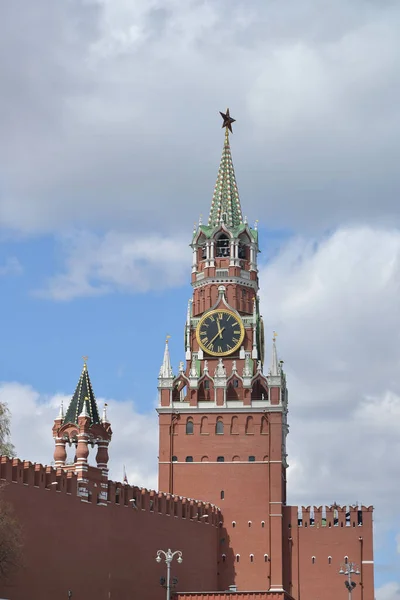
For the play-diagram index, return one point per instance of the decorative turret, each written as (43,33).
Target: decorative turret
(82,427)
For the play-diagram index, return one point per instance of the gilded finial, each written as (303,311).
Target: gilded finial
(274,336)
(84,358)
(167,338)
(256,225)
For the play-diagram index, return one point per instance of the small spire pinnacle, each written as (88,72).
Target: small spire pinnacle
(85,412)
(104,417)
(61,412)
(256,225)
(166,369)
(274,370)
(200,219)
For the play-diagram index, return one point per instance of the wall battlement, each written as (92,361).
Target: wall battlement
(334,516)
(16,471)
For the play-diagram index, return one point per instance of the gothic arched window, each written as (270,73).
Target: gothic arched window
(223,246)
(219,426)
(189,426)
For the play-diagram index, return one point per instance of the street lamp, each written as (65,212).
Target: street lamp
(349,569)
(168,557)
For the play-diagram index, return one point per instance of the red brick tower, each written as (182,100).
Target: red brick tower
(222,420)
(82,427)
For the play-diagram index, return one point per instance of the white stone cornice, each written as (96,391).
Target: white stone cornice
(226,280)
(214,408)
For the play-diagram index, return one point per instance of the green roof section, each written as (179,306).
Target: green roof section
(208,231)
(83,394)
(225,205)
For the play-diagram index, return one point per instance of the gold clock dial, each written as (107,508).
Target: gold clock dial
(220,332)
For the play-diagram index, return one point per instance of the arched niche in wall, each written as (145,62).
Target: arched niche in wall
(234,425)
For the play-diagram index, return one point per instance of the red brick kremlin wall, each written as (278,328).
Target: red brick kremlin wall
(103,552)
(315,550)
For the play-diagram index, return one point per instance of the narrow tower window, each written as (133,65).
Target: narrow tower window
(189,426)
(189,459)
(174,459)
(220,459)
(252,459)
(329,560)
(251,557)
(219,427)
(237,557)
(222,494)
(313,560)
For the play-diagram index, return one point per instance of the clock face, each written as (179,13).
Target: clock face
(220,332)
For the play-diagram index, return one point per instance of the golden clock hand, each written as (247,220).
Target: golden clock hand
(219,329)
(215,336)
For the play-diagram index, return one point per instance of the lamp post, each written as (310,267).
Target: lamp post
(349,569)
(168,557)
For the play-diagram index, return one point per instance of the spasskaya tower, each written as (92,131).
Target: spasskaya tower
(223,421)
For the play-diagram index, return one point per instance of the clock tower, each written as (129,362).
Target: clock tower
(222,420)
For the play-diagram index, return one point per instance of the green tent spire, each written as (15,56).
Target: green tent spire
(225,206)
(83,398)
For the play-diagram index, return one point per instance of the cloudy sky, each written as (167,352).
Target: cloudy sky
(109,148)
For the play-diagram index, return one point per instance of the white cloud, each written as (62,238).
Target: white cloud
(11,266)
(334,304)
(118,262)
(134,443)
(119,124)
(388,591)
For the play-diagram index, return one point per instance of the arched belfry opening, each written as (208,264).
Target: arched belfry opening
(259,390)
(223,246)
